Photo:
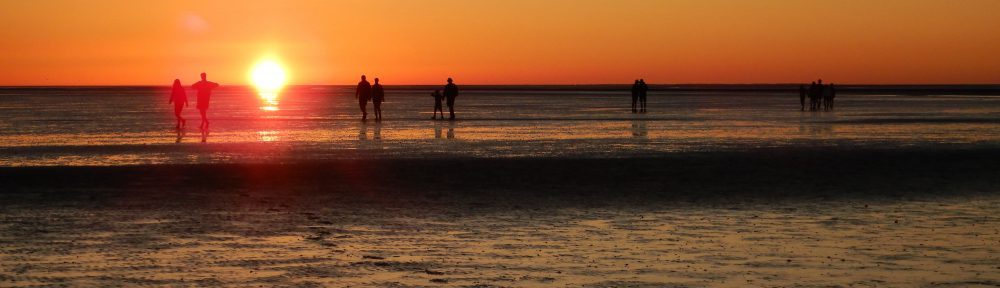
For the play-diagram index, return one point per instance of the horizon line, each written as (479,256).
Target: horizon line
(548,85)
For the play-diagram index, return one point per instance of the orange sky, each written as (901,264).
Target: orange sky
(97,42)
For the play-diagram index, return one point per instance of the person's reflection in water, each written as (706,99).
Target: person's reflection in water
(437,129)
(643,90)
(363,132)
(815,129)
(451,130)
(639,129)
(378,131)
(635,96)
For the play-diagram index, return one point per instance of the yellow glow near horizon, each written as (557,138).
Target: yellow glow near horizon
(268,77)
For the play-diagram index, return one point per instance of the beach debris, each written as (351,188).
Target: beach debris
(373,257)
(439,280)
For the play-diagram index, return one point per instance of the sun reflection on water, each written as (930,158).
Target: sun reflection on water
(270,101)
(268,136)
(269,78)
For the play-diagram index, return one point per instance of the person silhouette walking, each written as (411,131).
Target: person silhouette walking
(813,96)
(635,95)
(378,95)
(450,93)
(437,104)
(179,98)
(802,97)
(833,96)
(643,88)
(363,93)
(820,90)
(204,88)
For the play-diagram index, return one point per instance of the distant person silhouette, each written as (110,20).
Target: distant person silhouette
(635,96)
(363,93)
(204,88)
(179,98)
(802,97)
(827,97)
(820,90)
(833,95)
(643,88)
(378,95)
(450,93)
(437,104)
(814,94)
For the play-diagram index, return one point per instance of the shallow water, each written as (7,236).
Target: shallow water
(134,125)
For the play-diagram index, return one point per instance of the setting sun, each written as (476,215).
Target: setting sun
(269,77)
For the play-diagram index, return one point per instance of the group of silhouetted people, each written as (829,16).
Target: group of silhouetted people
(450,93)
(639,89)
(178,97)
(821,97)
(376,93)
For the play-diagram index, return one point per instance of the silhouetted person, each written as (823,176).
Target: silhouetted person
(815,92)
(204,88)
(802,97)
(635,95)
(833,95)
(450,93)
(437,104)
(826,98)
(378,95)
(363,93)
(812,95)
(643,88)
(179,98)
(820,90)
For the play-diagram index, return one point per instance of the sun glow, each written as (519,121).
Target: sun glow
(268,77)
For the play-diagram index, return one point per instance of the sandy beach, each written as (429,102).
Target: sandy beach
(762,218)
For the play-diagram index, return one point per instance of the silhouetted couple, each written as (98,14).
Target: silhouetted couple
(821,97)
(375,93)
(450,93)
(178,96)
(639,90)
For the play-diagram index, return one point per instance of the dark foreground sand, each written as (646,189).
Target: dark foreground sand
(830,217)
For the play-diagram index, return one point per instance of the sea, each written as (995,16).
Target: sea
(109,126)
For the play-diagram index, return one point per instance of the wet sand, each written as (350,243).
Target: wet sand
(767,217)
